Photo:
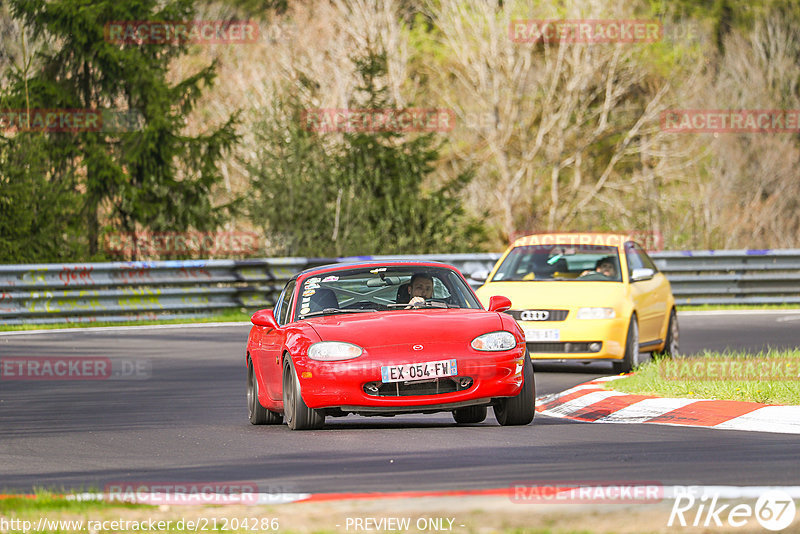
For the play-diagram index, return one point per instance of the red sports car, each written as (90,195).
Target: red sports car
(386,338)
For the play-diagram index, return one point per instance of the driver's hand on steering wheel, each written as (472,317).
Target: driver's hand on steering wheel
(416,301)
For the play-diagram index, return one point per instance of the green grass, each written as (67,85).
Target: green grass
(767,377)
(227,316)
(43,501)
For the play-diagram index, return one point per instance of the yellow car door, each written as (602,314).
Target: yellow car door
(649,290)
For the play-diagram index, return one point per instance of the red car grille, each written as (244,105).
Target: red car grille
(410,389)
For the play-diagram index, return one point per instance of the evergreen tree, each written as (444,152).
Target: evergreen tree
(385,174)
(39,206)
(154,178)
(293,198)
(360,193)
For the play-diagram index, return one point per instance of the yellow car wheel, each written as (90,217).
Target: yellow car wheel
(631,358)
(671,344)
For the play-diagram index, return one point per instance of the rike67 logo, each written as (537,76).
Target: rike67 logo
(774,510)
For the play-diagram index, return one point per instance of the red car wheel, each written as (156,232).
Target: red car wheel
(519,410)
(258,414)
(470,414)
(298,415)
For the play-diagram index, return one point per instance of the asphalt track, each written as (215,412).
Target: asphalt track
(185,420)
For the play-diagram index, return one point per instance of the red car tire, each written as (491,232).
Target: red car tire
(258,414)
(519,410)
(298,415)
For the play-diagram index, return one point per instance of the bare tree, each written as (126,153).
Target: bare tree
(755,177)
(573,130)
(562,136)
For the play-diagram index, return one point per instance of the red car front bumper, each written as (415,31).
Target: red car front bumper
(342,384)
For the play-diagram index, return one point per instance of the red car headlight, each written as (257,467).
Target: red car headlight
(332,351)
(495,341)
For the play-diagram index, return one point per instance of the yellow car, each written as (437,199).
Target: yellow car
(586,296)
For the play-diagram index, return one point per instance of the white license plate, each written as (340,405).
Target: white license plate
(418,371)
(542,334)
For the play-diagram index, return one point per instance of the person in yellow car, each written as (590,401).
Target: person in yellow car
(603,270)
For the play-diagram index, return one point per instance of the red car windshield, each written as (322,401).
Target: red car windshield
(381,289)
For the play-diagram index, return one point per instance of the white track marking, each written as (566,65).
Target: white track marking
(645,409)
(570,407)
(778,419)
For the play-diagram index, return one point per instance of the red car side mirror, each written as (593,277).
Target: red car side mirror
(499,303)
(264,318)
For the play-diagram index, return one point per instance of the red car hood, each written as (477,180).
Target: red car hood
(399,327)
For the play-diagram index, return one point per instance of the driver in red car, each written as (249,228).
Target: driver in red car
(420,288)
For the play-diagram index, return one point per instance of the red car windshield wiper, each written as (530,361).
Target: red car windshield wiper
(331,311)
(428,304)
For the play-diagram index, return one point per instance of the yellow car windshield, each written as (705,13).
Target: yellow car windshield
(560,262)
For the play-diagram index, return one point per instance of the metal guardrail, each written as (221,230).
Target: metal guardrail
(732,276)
(91,292)
(157,290)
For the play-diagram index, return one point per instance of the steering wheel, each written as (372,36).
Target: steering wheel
(363,305)
(445,300)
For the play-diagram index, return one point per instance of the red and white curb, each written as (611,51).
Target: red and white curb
(154,498)
(660,492)
(591,402)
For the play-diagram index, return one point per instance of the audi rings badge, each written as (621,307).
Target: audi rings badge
(534,315)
